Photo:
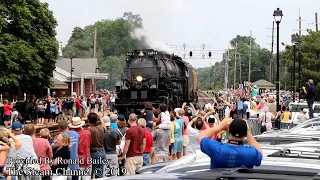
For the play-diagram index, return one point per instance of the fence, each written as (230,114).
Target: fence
(255,125)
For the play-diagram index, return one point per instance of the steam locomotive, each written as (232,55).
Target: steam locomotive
(156,77)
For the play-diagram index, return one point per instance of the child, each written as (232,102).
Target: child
(165,120)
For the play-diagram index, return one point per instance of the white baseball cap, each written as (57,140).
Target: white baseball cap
(106,120)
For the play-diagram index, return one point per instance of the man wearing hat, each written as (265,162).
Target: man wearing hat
(223,154)
(83,145)
(254,91)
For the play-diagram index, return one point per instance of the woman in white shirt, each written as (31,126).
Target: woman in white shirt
(266,117)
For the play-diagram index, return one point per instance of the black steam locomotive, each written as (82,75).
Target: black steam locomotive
(157,77)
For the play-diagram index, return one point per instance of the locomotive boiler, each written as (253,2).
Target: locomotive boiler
(157,77)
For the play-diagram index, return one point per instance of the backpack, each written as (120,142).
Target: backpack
(122,143)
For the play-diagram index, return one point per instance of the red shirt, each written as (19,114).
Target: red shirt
(78,104)
(7,109)
(43,150)
(136,135)
(84,147)
(204,127)
(149,141)
(210,125)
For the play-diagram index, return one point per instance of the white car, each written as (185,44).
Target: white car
(295,108)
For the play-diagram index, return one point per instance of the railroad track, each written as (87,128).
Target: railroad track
(204,98)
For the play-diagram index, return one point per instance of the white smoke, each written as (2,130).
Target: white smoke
(153,43)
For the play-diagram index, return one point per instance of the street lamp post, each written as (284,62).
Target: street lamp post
(71,71)
(294,41)
(299,59)
(277,14)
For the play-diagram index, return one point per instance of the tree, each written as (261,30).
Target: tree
(28,48)
(310,63)
(259,67)
(114,40)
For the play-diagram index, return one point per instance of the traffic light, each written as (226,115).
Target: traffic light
(209,54)
(72,69)
(190,53)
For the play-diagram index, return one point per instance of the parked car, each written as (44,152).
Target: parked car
(308,125)
(295,108)
(293,169)
(270,143)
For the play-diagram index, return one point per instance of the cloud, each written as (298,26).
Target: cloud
(152,42)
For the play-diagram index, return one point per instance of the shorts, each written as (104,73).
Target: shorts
(41,114)
(6,118)
(53,115)
(14,114)
(171,149)
(185,140)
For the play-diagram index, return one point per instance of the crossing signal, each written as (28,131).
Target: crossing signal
(190,53)
(209,54)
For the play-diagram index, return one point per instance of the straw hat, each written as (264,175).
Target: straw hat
(76,122)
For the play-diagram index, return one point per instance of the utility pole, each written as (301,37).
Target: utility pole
(235,67)
(225,70)
(316,21)
(60,52)
(71,71)
(240,70)
(285,73)
(271,62)
(227,67)
(271,55)
(299,24)
(214,77)
(95,43)
(249,75)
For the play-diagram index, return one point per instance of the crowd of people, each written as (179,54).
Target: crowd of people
(114,145)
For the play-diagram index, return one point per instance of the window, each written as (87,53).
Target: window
(316,109)
(298,107)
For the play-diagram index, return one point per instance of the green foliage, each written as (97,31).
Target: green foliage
(213,77)
(204,78)
(28,48)
(113,65)
(310,63)
(114,40)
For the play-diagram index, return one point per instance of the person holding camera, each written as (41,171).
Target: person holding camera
(311,95)
(234,153)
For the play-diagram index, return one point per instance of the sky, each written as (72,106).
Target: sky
(193,22)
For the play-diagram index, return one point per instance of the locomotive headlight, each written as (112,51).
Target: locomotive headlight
(139,78)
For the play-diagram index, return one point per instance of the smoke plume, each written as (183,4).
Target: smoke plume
(153,43)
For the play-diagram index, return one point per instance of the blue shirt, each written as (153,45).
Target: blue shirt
(230,156)
(114,126)
(52,108)
(74,138)
(240,105)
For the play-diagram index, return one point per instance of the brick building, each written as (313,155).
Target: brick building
(62,76)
